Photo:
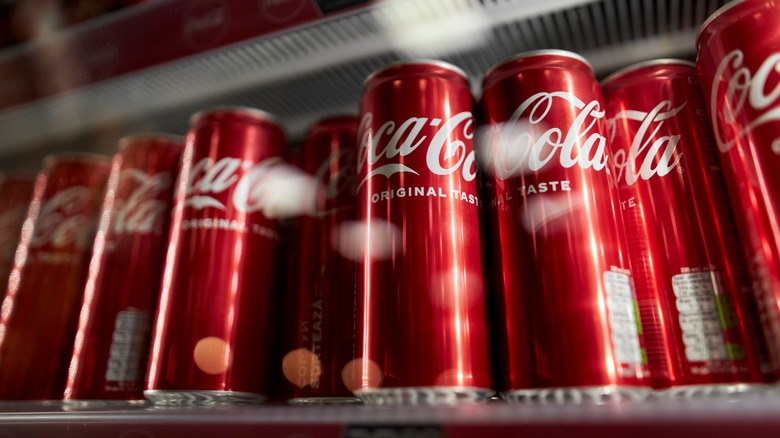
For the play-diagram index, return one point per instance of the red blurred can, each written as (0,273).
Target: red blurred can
(686,262)
(40,310)
(421,325)
(15,193)
(321,281)
(213,338)
(738,65)
(112,342)
(569,329)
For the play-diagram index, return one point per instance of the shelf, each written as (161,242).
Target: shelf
(753,417)
(307,67)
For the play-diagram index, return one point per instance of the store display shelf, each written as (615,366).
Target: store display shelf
(304,68)
(757,416)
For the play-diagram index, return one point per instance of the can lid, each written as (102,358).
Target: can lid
(423,61)
(126,140)
(534,53)
(715,15)
(252,112)
(640,65)
(52,159)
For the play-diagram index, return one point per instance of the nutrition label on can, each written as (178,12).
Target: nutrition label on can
(622,317)
(128,345)
(700,319)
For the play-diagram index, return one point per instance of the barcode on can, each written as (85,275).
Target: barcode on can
(621,305)
(128,346)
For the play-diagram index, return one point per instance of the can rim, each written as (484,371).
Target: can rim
(640,65)
(420,61)
(123,142)
(720,11)
(534,53)
(254,112)
(50,159)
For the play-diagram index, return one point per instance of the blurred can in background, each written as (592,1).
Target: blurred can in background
(41,307)
(15,193)
(421,318)
(686,261)
(569,325)
(214,334)
(738,66)
(319,323)
(112,343)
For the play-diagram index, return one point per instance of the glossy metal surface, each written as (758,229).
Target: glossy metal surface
(15,194)
(215,322)
(112,342)
(420,294)
(739,52)
(320,312)
(41,307)
(564,296)
(690,278)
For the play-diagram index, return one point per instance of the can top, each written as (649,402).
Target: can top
(633,68)
(533,54)
(717,15)
(150,136)
(84,157)
(400,66)
(247,111)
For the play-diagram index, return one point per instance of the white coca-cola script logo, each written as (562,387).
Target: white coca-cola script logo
(343,179)
(61,220)
(390,140)
(10,227)
(659,151)
(208,178)
(142,212)
(743,87)
(528,142)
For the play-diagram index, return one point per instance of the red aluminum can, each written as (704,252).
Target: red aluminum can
(15,193)
(686,262)
(40,310)
(421,318)
(213,338)
(321,280)
(565,298)
(112,342)
(738,61)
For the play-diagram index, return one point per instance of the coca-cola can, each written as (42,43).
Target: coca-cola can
(112,343)
(41,306)
(421,324)
(737,62)
(686,262)
(213,337)
(15,194)
(320,308)
(565,300)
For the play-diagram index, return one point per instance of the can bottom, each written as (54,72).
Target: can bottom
(423,396)
(76,404)
(317,401)
(731,390)
(578,395)
(201,398)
